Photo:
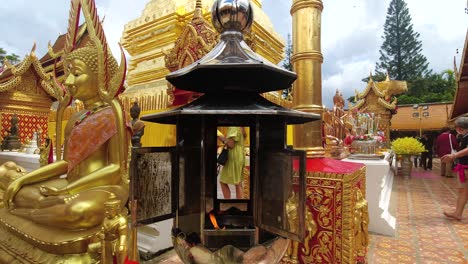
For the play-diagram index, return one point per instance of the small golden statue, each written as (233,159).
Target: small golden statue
(112,244)
(291,255)
(338,100)
(46,152)
(361,223)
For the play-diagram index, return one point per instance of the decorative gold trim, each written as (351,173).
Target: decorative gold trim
(310,55)
(345,249)
(10,84)
(300,4)
(387,105)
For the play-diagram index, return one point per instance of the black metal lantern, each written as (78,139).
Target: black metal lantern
(181,181)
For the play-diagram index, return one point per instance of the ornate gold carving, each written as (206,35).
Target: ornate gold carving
(378,98)
(15,250)
(361,223)
(336,216)
(10,84)
(23,78)
(160,27)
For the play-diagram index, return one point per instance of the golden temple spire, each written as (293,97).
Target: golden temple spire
(198,9)
(388,77)
(33,49)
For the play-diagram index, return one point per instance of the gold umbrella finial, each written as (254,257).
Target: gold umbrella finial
(198,12)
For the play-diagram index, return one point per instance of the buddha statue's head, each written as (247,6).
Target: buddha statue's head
(81,68)
(135,110)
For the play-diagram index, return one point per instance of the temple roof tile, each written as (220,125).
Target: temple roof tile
(13,76)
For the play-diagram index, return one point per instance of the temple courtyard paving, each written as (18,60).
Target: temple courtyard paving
(423,233)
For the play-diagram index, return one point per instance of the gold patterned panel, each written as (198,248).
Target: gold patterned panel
(335,206)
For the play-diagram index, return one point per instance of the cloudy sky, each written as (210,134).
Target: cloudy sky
(351,31)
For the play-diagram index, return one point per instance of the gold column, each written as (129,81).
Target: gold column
(307,63)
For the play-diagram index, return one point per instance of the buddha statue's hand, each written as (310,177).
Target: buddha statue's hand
(51,191)
(11,191)
(122,249)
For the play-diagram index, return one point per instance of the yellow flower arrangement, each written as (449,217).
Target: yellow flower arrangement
(407,146)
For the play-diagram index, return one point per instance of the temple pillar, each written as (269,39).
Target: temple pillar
(336,208)
(307,63)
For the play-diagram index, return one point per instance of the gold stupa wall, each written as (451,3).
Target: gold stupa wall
(153,35)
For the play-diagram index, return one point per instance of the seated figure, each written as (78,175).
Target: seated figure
(71,193)
(12,140)
(138,126)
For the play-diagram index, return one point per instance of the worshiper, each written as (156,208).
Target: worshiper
(445,143)
(426,156)
(461,126)
(232,170)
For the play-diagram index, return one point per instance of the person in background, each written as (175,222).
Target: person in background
(232,170)
(461,126)
(426,156)
(443,146)
(418,157)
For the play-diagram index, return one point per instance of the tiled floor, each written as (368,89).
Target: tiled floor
(424,235)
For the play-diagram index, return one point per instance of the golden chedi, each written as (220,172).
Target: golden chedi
(60,207)
(149,39)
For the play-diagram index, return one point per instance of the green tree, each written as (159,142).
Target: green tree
(401,52)
(13,58)
(287,65)
(377,77)
(434,87)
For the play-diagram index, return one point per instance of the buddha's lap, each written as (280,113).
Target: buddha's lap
(93,198)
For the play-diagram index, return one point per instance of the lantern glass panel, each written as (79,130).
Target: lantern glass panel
(154,173)
(281,193)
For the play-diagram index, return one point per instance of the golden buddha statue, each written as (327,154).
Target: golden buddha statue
(60,207)
(91,160)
